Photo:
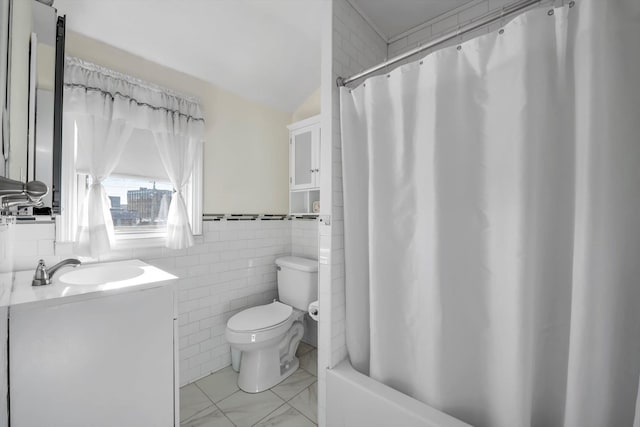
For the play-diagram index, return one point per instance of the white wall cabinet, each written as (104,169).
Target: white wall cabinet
(304,165)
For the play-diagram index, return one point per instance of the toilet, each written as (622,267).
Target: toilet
(268,335)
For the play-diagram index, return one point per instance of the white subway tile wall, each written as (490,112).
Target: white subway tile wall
(304,238)
(304,243)
(355,46)
(231,267)
(30,239)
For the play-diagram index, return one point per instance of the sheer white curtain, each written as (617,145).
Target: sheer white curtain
(102,139)
(179,151)
(105,107)
(492,233)
(102,129)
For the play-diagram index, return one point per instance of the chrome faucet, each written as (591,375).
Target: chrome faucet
(43,275)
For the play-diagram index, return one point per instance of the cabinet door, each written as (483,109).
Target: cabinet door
(302,156)
(315,161)
(100,362)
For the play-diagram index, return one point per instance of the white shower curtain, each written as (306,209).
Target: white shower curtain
(492,222)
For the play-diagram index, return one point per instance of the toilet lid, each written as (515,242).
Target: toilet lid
(260,317)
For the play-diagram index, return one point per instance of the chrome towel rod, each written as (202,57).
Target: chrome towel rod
(19,193)
(488,19)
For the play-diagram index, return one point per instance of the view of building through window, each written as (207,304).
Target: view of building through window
(138,204)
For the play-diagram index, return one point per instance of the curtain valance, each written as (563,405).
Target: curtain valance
(141,104)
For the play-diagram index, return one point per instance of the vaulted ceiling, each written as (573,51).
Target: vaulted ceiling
(264,50)
(267,51)
(391,18)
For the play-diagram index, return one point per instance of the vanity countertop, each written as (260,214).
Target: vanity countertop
(24,295)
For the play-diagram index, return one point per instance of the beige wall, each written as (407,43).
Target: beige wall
(309,108)
(246,144)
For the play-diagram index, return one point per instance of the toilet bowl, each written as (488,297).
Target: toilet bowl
(268,335)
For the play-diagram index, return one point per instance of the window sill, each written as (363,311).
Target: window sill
(137,241)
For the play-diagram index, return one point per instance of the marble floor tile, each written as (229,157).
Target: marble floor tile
(245,409)
(309,362)
(293,385)
(304,348)
(307,402)
(219,385)
(285,416)
(210,417)
(192,401)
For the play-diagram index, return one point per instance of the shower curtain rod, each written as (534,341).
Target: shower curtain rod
(488,19)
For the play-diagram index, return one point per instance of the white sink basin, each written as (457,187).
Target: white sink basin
(98,275)
(86,281)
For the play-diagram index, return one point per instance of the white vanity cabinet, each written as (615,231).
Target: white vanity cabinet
(103,358)
(304,165)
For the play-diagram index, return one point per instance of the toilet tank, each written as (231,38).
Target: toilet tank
(297,281)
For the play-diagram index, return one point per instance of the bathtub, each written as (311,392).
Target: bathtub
(355,400)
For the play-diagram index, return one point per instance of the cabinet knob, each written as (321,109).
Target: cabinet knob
(311,170)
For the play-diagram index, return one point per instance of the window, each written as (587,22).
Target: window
(116,126)
(138,205)
(139,191)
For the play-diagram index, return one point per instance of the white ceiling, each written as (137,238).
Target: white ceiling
(394,17)
(264,50)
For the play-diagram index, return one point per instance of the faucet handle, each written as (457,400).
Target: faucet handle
(40,277)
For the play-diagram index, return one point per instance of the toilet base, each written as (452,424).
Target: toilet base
(254,375)
(265,363)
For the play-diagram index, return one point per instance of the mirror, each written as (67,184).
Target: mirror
(4,116)
(41,95)
(18,89)
(33,36)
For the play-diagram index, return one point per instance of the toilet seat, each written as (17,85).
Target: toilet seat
(260,318)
